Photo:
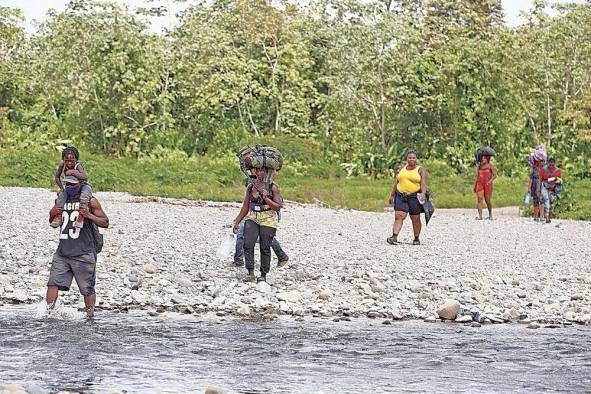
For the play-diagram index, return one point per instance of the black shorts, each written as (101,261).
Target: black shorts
(409,204)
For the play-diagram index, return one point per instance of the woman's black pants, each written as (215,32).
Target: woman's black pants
(252,231)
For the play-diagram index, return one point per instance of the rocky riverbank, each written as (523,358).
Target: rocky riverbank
(160,255)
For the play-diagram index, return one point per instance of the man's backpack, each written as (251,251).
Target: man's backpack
(97,236)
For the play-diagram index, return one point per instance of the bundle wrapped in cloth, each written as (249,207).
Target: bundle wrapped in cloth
(260,156)
(539,154)
(484,151)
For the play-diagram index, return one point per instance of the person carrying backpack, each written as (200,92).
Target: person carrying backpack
(75,257)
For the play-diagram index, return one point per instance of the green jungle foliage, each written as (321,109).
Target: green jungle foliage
(342,88)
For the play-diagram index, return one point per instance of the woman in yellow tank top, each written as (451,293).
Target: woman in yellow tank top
(406,196)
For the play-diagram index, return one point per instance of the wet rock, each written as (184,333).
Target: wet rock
(213,390)
(243,310)
(576,297)
(475,324)
(449,310)
(533,325)
(373,314)
(464,319)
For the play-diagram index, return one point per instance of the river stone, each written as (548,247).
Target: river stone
(325,294)
(376,286)
(138,297)
(12,389)
(464,319)
(576,297)
(449,310)
(213,390)
(290,296)
(264,287)
(475,324)
(533,325)
(243,310)
(586,318)
(149,269)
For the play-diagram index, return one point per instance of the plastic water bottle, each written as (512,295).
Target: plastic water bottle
(225,251)
(526,198)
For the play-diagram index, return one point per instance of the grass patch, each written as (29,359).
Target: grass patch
(219,179)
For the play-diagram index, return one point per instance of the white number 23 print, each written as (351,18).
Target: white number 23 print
(72,233)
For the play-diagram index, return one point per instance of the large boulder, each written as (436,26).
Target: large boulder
(449,310)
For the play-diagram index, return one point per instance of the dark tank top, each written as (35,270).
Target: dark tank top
(74,241)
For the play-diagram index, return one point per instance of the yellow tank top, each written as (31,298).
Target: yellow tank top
(409,181)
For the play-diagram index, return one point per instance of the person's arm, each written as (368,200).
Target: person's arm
(393,191)
(243,212)
(494,174)
(423,174)
(475,180)
(95,213)
(78,172)
(58,174)
(274,203)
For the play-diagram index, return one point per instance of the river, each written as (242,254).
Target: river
(173,353)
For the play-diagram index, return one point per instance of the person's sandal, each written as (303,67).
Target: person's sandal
(262,278)
(416,242)
(393,240)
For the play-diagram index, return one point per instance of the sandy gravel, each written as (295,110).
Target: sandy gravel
(509,269)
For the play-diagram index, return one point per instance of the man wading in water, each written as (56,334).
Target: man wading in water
(76,253)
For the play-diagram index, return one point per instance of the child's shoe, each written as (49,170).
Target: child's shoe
(56,222)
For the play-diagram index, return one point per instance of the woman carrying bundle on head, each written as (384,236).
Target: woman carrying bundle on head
(483,181)
(261,205)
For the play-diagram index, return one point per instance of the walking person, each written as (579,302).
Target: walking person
(551,186)
(76,253)
(534,187)
(483,184)
(261,204)
(407,194)
(282,257)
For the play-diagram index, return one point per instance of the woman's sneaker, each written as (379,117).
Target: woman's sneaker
(393,240)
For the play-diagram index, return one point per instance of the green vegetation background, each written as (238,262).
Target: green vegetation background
(221,180)
(342,88)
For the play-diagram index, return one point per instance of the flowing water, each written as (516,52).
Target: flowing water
(181,353)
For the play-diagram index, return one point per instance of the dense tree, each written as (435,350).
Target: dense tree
(365,80)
